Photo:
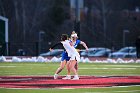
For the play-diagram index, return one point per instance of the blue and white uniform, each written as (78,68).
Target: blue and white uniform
(65,54)
(71,51)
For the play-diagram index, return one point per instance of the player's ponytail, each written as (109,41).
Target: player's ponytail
(64,37)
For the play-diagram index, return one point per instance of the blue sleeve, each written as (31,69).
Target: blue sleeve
(78,41)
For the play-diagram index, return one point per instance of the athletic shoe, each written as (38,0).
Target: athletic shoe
(67,77)
(76,77)
(55,76)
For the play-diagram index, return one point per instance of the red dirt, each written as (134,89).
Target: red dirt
(49,82)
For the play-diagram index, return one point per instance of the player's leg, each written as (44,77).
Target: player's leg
(72,66)
(68,76)
(61,67)
(68,67)
(76,66)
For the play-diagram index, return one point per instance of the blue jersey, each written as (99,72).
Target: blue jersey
(65,55)
(77,43)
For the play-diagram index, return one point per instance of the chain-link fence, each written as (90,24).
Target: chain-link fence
(36,48)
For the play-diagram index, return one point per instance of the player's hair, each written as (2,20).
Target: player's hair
(73,32)
(64,37)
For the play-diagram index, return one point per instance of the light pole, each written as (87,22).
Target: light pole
(40,35)
(76,5)
(124,36)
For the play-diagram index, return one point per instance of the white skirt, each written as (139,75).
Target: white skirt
(75,57)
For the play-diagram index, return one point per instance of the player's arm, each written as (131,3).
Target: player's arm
(55,45)
(84,44)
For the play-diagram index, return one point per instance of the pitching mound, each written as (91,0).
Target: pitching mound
(84,82)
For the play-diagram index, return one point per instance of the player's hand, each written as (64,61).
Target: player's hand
(50,49)
(87,50)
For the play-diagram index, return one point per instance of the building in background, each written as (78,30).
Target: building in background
(4,48)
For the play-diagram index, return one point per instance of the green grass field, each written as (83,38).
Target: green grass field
(94,69)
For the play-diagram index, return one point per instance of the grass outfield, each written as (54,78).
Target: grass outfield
(97,69)
(94,69)
(131,89)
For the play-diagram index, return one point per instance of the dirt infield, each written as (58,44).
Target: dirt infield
(84,82)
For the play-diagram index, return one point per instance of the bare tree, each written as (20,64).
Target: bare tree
(2,11)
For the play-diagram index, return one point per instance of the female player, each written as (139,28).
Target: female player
(65,58)
(72,54)
(76,42)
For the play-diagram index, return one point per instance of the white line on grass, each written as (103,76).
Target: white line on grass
(66,88)
(119,65)
(132,91)
(123,65)
(109,68)
(6,66)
